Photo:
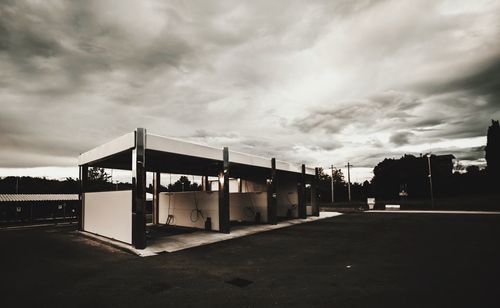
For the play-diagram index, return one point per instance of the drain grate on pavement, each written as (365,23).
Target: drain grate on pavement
(239,282)
(157,287)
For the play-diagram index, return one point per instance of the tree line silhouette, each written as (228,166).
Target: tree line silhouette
(407,178)
(99,180)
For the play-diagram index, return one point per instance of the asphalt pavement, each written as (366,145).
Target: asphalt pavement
(353,260)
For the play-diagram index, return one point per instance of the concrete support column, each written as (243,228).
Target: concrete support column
(272,202)
(156,196)
(301,193)
(224,218)
(139,190)
(315,193)
(84,176)
(208,185)
(205,183)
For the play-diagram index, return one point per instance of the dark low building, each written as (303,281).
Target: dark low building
(35,208)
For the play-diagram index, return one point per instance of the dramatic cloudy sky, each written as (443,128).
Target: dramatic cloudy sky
(319,82)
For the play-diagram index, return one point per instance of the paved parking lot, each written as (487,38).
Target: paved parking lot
(354,260)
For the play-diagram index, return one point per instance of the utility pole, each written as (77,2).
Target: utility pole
(430,179)
(333,195)
(349,180)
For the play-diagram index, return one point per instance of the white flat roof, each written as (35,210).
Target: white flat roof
(176,146)
(107,149)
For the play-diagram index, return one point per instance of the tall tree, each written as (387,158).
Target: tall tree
(97,174)
(492,148)
(338,176)
(99,180)
(472,169)
(183,184)
(411,174)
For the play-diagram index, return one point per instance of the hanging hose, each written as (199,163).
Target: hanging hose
(249,211)
(196,212)
(292,205)
(170,218)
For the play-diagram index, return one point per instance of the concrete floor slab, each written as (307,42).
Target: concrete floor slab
(189,240)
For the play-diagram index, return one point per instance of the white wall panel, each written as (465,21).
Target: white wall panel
(182,205)
(243,206)
(286,191)
(109,214)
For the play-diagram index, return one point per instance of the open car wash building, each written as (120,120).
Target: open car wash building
(263,190)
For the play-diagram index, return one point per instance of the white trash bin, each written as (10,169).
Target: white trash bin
(371,203)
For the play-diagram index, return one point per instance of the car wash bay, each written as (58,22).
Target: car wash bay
(248,189)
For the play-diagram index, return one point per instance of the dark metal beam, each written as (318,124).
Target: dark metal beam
(208,186)
(84,175)
(301,193)
(205,183)
(156,196)
(272,206)
(224,218)
(139,190)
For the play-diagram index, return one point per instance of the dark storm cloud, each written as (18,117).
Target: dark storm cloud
(375,112)
(19,39)
(455,86)
(401,138)
(83,44)
(483,80)
(471,154)
(304,81)
(429,122)
(260,146)
(327,145)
